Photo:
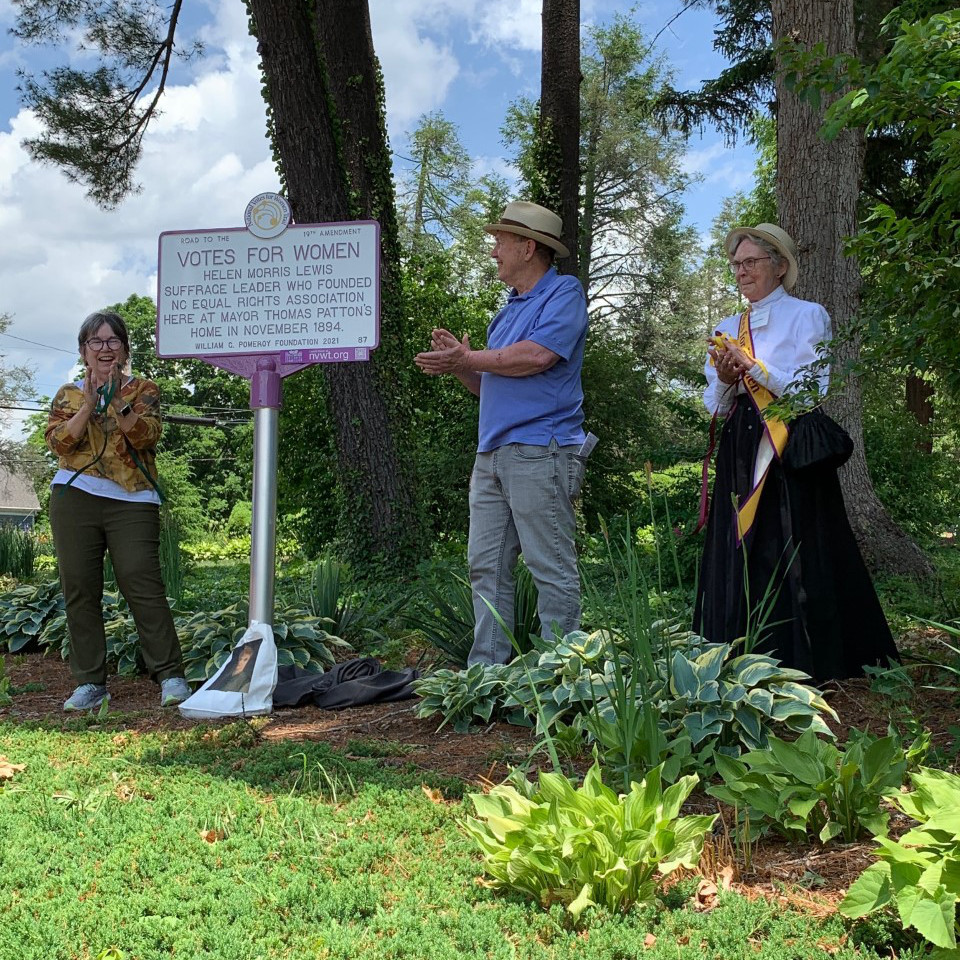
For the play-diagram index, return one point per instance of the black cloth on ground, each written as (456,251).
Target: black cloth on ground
(826,619)
(349,684)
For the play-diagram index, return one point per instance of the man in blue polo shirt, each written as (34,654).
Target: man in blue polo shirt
(528,471)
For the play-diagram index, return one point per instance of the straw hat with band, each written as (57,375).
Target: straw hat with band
(779,239)
(533,221)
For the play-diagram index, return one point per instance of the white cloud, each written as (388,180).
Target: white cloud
(203,160)
(731,167)
(497,166)
(418,68)
(510,23)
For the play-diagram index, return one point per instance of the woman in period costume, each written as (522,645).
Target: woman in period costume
(777,507)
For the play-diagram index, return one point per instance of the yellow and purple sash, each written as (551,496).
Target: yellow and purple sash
(772,444)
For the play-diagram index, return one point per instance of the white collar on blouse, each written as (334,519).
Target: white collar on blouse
(760,311)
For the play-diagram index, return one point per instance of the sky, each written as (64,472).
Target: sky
(207,155)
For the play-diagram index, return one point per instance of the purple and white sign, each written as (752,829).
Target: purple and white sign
(308,295)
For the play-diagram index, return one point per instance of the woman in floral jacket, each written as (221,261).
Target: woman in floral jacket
(104,430)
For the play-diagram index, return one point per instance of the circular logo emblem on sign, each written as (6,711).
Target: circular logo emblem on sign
(267,215)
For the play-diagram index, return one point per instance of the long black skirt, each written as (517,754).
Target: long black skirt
(822,615)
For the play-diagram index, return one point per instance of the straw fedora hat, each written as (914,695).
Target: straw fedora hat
(531,220)
(781,241)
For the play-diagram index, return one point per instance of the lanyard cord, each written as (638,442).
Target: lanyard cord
(133,454)
(87,466)
(104,396)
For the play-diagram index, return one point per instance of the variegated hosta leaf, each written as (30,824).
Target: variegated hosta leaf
(588,845)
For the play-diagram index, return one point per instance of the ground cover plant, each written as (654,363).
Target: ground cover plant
(214,843)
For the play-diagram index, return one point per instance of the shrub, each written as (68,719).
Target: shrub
(668,507)
(240,520)
(236,548)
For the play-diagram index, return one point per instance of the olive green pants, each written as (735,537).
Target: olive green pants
(84,528)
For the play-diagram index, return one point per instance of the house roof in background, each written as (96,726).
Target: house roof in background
(17,494)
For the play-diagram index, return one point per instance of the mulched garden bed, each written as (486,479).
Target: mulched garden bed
(811,878)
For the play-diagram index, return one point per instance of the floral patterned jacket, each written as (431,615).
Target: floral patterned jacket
(117,463)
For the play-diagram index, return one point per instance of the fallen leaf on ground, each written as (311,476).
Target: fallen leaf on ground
(706,896)
(8,769)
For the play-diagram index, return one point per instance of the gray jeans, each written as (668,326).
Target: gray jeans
(521,501)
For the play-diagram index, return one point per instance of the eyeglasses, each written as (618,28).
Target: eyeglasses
(748,263)
(95,343)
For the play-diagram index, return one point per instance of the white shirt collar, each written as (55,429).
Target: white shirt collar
(760,311)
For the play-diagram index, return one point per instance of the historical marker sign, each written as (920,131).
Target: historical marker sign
(308,294)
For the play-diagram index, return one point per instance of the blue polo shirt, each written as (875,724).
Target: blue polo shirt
(544,406)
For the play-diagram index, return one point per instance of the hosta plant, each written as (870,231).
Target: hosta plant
(26,610)
(919,873)
(208,638)
(123,641)
(731,703)
(464,697)
(811,787)
(586,846)
(708,701)
(568,674)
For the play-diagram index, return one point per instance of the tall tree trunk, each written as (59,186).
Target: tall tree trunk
(324,89)
(918,394)
(817,189)
(560,119)
(375,450)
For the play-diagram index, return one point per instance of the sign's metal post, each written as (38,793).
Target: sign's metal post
(265,388)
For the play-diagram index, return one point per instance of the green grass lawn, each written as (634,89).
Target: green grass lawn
(212,844)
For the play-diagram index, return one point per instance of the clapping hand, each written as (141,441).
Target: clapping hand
(446,353)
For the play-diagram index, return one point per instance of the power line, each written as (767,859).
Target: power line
(238,411)
(46,346)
